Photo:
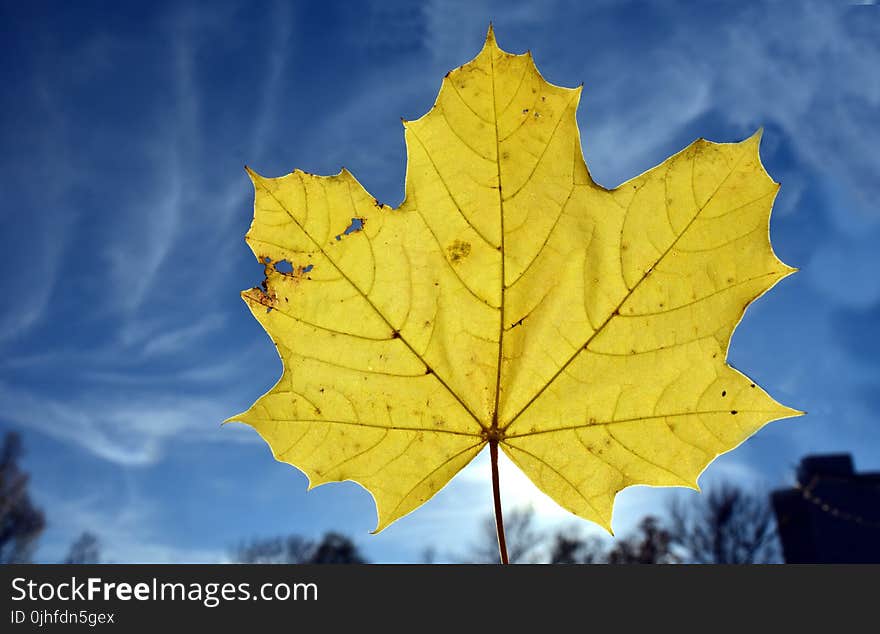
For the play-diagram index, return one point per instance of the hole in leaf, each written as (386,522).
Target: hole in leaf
(356,225)
(284,267)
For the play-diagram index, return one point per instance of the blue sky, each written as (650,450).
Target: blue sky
(125,129)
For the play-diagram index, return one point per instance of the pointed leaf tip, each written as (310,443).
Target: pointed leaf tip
(758,134)
(490,35)
(232,419)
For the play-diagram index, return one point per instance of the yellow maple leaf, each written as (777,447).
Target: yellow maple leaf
(511,301)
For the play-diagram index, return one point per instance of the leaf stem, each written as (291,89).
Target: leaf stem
(496,494)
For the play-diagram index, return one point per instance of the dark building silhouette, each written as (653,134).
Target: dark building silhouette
(832,515)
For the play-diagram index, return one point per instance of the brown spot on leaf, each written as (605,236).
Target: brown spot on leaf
(458,251)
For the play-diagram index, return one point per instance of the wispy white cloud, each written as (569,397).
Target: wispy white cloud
(127,429)
(38,241)
(277,64)
(128,529)
(136,261)
(29,293)
(178,340)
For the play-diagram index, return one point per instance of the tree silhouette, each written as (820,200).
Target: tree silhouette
(523,539)
(725,525)
(85,550)
(570,547)
(21,523)
(651,543)
(291,549)
(294,549)
(428,555)
(335,549)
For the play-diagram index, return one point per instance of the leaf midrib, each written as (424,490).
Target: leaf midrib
(500,356)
